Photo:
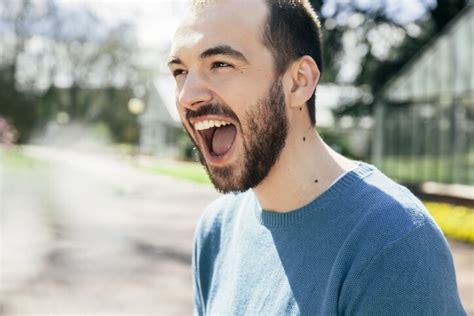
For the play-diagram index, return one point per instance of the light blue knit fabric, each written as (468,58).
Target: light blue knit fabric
(366,246)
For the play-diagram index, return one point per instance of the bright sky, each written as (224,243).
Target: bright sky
(155,20)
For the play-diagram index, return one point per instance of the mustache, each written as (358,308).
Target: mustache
(212,109)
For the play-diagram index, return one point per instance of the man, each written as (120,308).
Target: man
(311,232)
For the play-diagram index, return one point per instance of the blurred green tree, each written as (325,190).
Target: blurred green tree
(66,61)
(371,24)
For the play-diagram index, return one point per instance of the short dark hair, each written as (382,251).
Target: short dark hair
(292,30)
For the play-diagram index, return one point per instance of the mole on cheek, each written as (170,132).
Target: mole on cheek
(304,138)
(316,181)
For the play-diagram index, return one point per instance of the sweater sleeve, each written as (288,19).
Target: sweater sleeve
(413,275)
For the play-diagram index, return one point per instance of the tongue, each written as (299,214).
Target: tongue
(223,139)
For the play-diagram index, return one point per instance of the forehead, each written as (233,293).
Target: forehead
(236,23)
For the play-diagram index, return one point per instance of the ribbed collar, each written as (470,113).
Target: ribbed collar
(276,219)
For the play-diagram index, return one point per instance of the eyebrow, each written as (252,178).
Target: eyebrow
(174,61)
(213,51)
(223,50)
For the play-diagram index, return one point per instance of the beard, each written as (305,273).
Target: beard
(263,141)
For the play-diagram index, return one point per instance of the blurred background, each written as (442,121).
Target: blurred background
(100,190)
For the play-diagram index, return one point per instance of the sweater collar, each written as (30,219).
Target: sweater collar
(277,219)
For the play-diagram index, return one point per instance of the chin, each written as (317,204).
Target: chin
(226,179)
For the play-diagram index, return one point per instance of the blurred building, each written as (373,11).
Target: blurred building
(160,124)
(421,125)
(424,121)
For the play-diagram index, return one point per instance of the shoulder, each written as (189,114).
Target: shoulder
(400,258)
(220,213)
(387,208)
(388,219)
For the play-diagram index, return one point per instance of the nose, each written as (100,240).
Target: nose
(194,92)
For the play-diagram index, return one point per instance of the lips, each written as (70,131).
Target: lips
(217,138)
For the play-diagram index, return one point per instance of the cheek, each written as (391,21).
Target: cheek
(229,89)
(243,87)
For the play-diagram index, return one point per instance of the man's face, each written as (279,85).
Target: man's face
(229,100)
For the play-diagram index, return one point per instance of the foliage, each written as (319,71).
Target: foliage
(8,134)
(374,26)
(17,108)
(60,60)
(193,172)
(456,222)
(186,148)
(338,142)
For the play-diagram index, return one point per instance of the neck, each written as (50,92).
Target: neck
(304,170)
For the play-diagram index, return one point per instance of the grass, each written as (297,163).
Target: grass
(189,171)
(429,168)
(15,158)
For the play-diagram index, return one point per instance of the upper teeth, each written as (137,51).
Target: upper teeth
(209,124)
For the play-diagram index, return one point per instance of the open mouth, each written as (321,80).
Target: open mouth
(218,136)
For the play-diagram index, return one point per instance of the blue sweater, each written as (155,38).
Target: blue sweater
(366,246)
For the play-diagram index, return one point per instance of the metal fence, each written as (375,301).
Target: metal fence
(426,141)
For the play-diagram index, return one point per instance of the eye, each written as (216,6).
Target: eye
(220,64)
(178,72)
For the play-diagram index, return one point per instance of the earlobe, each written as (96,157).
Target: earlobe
(305,76)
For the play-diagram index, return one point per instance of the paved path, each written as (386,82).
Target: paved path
(463,255)
(95,236)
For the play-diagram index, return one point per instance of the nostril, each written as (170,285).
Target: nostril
(198,103)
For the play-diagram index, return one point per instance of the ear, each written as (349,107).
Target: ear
(304,75)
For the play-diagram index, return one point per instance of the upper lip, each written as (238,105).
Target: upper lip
(195,120)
